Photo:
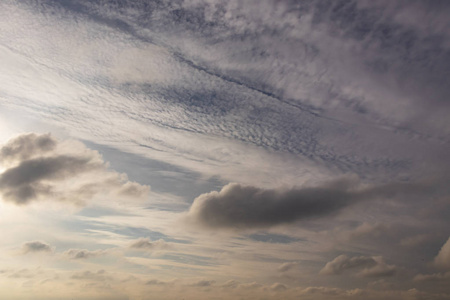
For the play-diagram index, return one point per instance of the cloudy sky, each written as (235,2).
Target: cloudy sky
(224,149)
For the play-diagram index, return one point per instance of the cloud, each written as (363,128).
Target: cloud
(278,287)
(204,283)
(371,266)
(436,277)
(36,247)
(147,245)
(26,146)
(84,254)
(287,266)
(241,207)
(343,262)
(442,260)
(237,206)
(39,166)
(158,282)
(380,270)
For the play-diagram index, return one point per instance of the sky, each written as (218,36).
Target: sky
(224,149)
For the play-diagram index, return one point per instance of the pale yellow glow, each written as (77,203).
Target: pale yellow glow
(6,132)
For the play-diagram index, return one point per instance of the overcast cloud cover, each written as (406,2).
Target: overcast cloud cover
(230,149)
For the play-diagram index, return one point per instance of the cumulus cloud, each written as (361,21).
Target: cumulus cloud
(39,166)
(371,266)
(237,206)
(240,207)
(36,247)
(26,146)
(442,260)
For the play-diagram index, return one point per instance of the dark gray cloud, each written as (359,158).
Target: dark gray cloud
(240,207)
(40,167)
(36,247)
(237,206)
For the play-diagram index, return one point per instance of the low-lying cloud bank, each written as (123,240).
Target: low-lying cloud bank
(41,167)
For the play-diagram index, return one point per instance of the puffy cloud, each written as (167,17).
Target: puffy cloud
(237,206)
(442,260)
(372,266)
(26,146)
(36,247)
(242,207)
(40,166)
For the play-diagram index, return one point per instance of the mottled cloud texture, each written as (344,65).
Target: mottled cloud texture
(243,116)
(40,167)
